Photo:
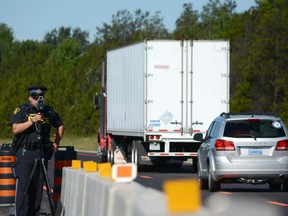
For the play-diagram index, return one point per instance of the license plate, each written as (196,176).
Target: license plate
(154,146)
(255,152)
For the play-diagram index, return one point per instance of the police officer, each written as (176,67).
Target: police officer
(32,122)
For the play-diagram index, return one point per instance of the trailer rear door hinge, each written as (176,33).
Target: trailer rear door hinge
(148,75)
(148,101)
(225,75)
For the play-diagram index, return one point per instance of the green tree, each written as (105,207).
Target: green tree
(240,73)
(56,37)
(216,18)
(6,39)
(188,24)
(262,57)
(71,67)
(23,68)
(128,28)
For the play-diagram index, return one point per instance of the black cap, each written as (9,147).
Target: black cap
(37,90)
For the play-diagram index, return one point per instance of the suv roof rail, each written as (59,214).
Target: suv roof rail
(252,114)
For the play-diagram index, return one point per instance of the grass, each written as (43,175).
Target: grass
(79,143)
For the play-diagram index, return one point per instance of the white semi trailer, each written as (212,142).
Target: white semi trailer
(158,98)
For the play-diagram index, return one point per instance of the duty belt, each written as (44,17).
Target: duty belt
(31,145)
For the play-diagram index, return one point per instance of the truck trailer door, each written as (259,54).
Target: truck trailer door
(166,91)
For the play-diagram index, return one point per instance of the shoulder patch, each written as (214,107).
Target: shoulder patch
(16,110)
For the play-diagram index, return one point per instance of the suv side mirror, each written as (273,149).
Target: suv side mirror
(198,137)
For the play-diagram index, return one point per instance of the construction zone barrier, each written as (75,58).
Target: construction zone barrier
(62,158)
(87,193)
(7,180)
(92,194)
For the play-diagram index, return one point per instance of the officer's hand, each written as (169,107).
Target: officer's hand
(38,117)
(55,146)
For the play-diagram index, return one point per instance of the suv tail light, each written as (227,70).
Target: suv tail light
(224,145)
(282,145)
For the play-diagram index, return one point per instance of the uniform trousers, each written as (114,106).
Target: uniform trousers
(25,161)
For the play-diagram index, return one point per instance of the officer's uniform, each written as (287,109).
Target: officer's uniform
(28,150)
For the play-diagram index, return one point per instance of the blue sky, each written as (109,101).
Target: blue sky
(32,19)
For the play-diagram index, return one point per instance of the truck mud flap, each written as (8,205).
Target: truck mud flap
(141,153)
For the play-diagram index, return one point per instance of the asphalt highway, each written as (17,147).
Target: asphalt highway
(256,197)
(235,197)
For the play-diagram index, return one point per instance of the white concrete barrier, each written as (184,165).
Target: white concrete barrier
(88,194)
(85,193)
(121,198)
(73,190)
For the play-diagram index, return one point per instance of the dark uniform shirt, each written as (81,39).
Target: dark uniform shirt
(26,112)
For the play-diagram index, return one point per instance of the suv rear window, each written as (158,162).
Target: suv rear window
(254,128)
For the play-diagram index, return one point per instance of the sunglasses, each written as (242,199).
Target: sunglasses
(35,97)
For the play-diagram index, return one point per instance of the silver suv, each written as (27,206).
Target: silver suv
(244,148)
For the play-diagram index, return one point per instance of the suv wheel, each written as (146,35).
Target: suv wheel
(285,185)
(274,186)
(212,185)
(203,182)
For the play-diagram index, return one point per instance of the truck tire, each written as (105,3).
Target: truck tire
(177,165)
(110,154)
(195,164)
(103,156)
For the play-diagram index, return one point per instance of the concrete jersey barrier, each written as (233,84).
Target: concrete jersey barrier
(88,194)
